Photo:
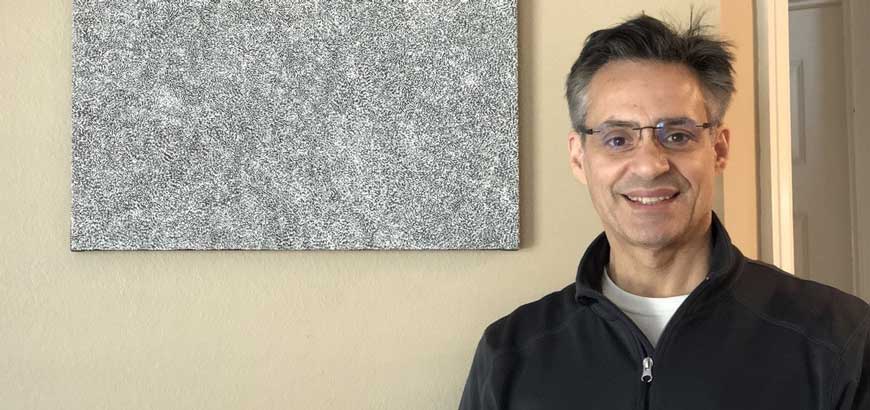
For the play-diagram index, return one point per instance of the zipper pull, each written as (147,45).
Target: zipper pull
(647,370)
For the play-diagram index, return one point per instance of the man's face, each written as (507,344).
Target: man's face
(628,187)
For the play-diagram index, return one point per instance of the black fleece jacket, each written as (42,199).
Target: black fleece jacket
(750,336)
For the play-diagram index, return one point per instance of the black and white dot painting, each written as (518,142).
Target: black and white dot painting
(294,124)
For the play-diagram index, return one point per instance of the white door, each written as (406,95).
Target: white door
(820,144)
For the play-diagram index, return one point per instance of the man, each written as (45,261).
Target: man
(666,313)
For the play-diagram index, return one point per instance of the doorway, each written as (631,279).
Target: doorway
(817,225)
(822,177)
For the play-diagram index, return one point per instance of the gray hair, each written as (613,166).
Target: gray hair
(646,38)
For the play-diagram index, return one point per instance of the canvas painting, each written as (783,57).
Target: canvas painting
(294,124)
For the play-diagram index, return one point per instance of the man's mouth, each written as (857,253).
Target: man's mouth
(650,200)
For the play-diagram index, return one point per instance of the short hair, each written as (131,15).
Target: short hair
(646,38)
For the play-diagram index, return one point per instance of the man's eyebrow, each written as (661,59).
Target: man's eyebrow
(619,123)
(674,120)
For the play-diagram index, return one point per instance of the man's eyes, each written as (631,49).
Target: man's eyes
(677,138)
(617,139)
(615,142)
(620,140)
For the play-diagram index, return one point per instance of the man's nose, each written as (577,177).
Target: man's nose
(650,159)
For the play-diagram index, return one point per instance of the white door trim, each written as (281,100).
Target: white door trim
(776,230)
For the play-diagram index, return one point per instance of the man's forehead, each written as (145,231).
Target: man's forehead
(644,91)
(643,69)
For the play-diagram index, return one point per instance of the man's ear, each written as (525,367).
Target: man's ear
(575,156)
(721,147)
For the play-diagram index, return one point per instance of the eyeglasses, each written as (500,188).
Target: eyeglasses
(676,134)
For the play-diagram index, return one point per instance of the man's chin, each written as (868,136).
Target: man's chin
(651,238)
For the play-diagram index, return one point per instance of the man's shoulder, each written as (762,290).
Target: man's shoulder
(824,314)
(532,321)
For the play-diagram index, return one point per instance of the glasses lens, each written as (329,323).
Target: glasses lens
(617,138)
(678,135)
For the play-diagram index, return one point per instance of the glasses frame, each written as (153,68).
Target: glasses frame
(658,129)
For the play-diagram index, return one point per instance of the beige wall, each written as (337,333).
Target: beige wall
(740,180)
(270,330)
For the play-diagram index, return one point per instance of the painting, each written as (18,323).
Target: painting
(294,124)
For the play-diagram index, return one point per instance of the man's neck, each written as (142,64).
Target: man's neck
(660,273)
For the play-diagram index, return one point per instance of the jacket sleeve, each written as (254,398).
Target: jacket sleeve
(478,394)
(853,392)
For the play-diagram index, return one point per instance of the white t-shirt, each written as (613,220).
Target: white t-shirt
(650,314)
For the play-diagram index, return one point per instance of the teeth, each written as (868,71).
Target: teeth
(647,200)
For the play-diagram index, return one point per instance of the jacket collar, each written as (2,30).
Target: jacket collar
(724,259)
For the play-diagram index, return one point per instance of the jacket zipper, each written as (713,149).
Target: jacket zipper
(645,349)
(648,353)
(646,377)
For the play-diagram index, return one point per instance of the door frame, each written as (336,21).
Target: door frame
(776,224)
(775,220)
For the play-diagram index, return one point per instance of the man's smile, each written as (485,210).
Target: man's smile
(651,198)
